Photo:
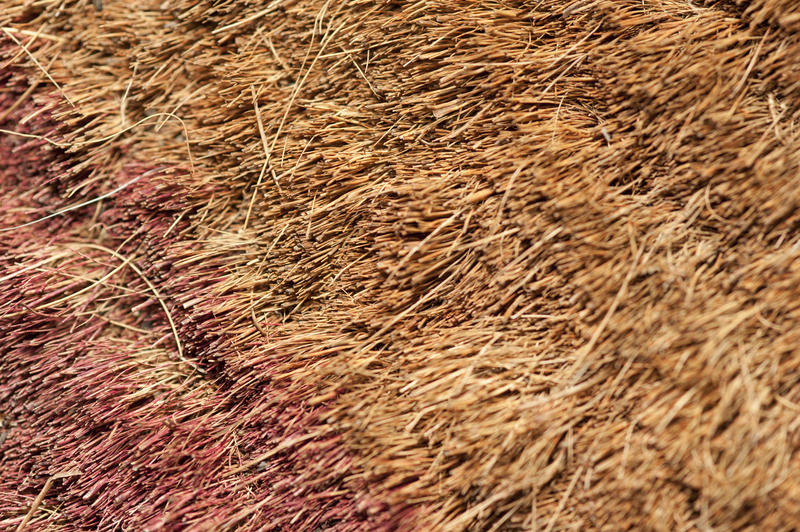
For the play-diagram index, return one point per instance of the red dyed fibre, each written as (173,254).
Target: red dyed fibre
(157,445)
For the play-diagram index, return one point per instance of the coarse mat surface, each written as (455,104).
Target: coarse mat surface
(380,265)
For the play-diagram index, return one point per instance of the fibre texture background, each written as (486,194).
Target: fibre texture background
(394,265)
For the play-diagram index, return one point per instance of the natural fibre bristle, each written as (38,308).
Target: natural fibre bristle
(435,265)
